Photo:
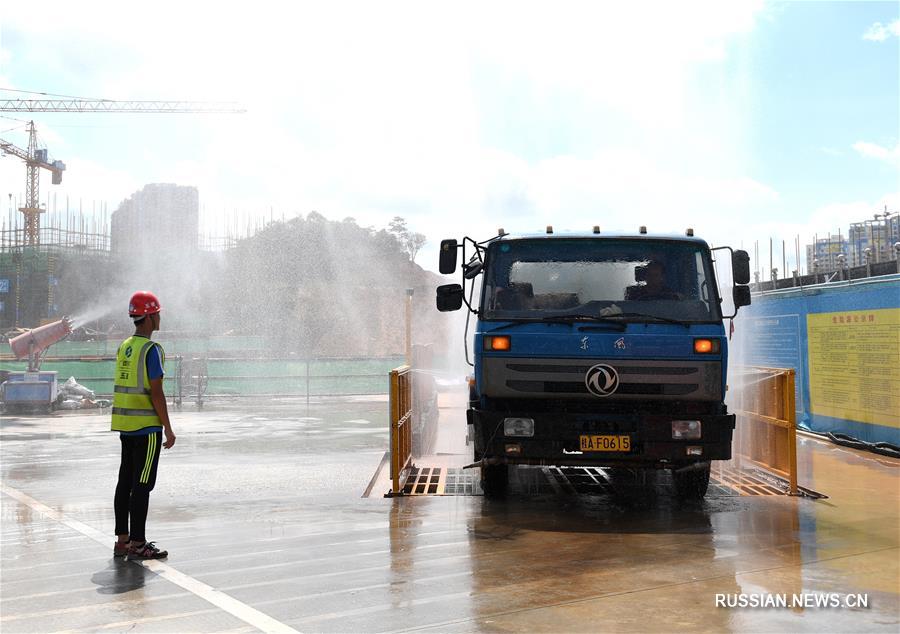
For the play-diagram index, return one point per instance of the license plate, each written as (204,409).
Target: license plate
(606,443)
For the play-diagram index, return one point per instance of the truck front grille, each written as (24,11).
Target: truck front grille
(560,387)
(638,379)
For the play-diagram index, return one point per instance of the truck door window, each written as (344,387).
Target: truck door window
(700,277)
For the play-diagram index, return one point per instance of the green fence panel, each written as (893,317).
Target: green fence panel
(243,376)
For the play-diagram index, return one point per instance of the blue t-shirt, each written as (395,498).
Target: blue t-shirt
(154,371)
(154,363)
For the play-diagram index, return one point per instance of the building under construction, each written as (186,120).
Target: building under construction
(874,240)
(39,278)
(74,252)
(160,215)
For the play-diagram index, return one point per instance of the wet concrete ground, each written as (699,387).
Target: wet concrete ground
(260,507)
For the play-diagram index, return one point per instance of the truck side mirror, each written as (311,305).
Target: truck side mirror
(448,257)
(741,295)
(472,269)
(740,269)
(449,297)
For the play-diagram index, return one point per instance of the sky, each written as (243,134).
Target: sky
(744,120)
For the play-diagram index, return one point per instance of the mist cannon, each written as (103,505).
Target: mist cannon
(34,343)
(33,389)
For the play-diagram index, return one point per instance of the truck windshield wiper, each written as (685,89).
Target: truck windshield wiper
(567,318)
(563,319)
(645,316)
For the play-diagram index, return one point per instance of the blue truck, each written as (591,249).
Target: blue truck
(596,350)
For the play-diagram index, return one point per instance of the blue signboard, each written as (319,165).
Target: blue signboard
(4,285)
(776,343)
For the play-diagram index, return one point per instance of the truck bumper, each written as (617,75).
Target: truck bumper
(557,439)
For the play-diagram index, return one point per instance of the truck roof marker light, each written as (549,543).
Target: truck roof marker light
(643,230)
(596,228)
(549,228)
(706,346)
(690,232)
(499,342)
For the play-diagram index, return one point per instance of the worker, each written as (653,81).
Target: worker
(140,416)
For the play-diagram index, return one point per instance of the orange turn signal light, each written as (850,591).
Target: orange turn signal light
(706,346)
(497,343)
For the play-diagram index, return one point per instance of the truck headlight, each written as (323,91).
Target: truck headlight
(518,427)
(685,429)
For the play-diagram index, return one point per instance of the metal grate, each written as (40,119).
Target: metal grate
(590,480)
(423,481)
(758,482)
(725,481)
(462,482)
(742,482)
(441,481)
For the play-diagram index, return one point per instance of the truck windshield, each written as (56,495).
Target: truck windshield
(641,280)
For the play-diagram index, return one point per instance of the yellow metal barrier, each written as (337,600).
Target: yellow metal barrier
(401,426)
(766,430)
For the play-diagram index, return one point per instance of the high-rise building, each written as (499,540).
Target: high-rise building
(823,256)
(879,235)
(159,217)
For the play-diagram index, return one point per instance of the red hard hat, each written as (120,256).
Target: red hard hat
(143,303)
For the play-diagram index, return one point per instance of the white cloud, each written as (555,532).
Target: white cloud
(879,32)
(437,114)
(873,150)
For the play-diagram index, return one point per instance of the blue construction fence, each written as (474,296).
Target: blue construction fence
(843,341)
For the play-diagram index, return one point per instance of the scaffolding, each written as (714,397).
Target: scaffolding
(30,270)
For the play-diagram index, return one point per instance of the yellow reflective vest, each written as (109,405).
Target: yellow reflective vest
(132,409)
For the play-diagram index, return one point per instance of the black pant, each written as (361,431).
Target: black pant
(137,477)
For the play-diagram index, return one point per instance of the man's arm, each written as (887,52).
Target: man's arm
(158,398)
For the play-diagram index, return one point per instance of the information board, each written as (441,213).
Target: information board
(854,365)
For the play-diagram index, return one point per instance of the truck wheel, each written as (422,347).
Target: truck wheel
(692,484)
(494,481)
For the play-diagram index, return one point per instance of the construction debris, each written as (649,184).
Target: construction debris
(73,395)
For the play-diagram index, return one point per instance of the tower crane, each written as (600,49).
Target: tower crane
(36,158)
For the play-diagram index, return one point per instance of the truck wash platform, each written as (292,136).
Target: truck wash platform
(261,509)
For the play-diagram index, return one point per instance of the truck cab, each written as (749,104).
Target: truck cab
(596,350)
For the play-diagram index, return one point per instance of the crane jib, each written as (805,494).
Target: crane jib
(112,105)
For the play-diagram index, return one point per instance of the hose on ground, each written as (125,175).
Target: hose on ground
(882,448)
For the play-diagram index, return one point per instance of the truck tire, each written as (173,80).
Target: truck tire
(494,481)
(691,484)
